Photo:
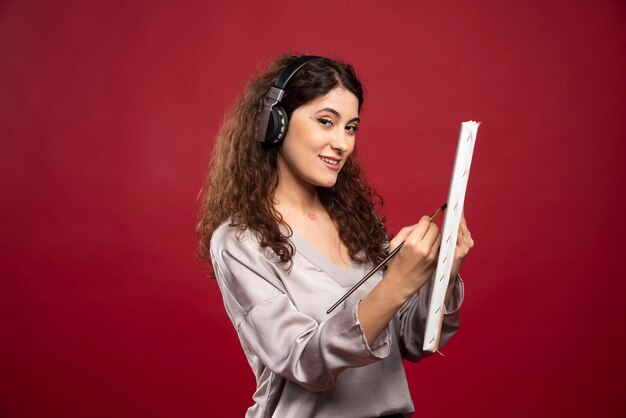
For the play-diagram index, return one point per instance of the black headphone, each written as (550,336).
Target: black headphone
(273,119)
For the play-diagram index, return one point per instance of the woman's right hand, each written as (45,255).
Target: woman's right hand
(411,268)
(407,272)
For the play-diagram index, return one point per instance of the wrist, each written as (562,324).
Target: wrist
(453,279)
(397,290)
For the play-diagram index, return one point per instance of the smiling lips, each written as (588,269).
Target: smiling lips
(332,163)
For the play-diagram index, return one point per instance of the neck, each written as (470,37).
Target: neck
(288,196)
(294,194)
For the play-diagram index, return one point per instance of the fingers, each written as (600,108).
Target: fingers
(416,232)
(463,233)
(401,236)
(404,233)
(417,260)
(422,227)
(431,236)
(462,224)
(423,237)
(464,242)
(434,249)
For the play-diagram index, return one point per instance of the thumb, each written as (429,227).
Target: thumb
(401,236)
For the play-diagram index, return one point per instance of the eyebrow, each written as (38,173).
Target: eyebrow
(334,112)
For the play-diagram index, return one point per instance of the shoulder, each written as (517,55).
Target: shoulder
(227,231)
(229,235)
(246,277)
(242,266)
(237,239)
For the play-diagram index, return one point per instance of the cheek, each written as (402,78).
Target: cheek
(351,147)
(296,152)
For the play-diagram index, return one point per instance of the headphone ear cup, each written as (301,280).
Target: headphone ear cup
(277,125)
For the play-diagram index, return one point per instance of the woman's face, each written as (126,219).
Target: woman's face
(319,139)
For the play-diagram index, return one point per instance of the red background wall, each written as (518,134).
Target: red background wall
(107,116)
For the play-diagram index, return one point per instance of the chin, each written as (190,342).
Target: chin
(328,183)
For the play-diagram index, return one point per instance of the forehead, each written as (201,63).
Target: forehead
(339,99)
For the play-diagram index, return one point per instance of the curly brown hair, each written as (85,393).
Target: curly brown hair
(243,173)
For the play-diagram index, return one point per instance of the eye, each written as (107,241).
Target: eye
(326,122)
(352,128)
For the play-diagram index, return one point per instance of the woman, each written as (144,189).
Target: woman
(288,222)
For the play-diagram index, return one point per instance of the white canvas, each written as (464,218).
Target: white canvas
(456,198)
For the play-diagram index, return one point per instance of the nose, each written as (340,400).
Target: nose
(340,141)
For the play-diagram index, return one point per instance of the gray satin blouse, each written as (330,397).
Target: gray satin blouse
(308,363)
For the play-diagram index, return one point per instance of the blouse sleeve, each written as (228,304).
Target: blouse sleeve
(412,321)
(288,342)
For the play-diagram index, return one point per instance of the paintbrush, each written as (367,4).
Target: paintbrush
(382,263)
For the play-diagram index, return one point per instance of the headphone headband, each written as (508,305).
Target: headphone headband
(291,69)
(274,115)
